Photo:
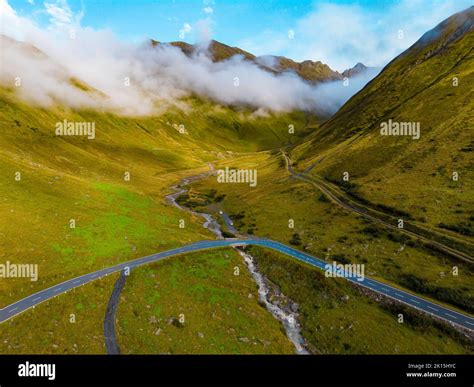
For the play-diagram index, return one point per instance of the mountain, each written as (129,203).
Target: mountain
(311,71)
(314,72)
(356,70)
(219,51)
(428,178)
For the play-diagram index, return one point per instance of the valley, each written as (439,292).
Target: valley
(224,210)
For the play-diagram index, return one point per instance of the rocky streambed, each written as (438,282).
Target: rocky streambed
(280,306)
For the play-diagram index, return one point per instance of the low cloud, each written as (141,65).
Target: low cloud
(332,95)
(142,79)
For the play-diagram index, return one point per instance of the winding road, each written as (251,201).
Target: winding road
(359,210)
(419,303)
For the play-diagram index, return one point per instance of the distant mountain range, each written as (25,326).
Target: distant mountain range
(313,72)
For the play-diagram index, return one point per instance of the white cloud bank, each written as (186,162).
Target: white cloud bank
(138,80)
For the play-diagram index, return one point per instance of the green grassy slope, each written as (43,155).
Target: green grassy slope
(220,311)
(65,178)
(338,318)
(72,323)
(431,83)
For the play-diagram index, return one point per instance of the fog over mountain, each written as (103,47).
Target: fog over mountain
(86,68)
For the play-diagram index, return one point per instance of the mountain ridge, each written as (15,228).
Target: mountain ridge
(311,71)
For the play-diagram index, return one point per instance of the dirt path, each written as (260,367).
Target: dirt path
(372,215)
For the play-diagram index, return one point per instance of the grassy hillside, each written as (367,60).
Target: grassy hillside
(64,178)
(221,312)
(431,84)
(72,323)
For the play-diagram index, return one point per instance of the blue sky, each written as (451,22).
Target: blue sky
(338,32)
(162,19)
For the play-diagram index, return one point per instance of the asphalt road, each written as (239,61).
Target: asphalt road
(431,308)
(110,338)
